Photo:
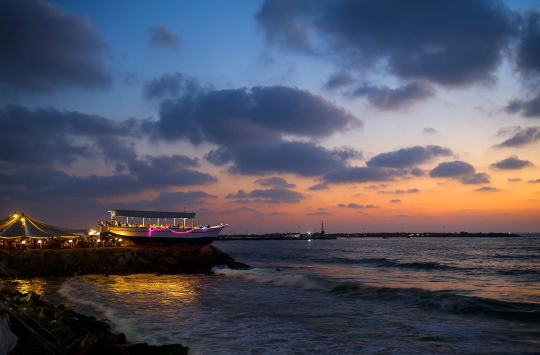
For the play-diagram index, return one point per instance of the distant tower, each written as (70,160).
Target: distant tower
(322,229)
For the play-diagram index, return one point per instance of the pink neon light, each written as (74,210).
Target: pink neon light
(204,230)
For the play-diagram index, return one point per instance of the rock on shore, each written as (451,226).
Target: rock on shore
(118,260)
(42,328)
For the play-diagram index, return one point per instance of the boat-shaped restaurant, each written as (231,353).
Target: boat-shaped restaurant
(155,227)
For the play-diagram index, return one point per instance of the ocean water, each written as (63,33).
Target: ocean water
(344,296)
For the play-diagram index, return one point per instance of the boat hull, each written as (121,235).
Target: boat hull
(165,236)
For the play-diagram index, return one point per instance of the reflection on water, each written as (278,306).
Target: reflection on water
(163,290)
(26,286)
(39,286)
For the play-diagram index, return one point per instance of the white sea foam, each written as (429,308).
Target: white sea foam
(278,278)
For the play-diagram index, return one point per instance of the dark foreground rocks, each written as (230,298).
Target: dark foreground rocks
(117,260)
(42,328)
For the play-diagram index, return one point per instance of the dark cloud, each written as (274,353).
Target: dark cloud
(452,43)
(521,136)
(417,172)
(298,112)
(354,205)
(317,187)
(286,23)
(527,108)
(474,179)
(395,201)
(43,148)
(537,181)
(408,157)
(511,163)
(43,49)
(528,51)
(452,169)
(399,191)
(487,189)
(386,98)
(140,176)
(338,80)
(249,128)
(301,158)
(239,194)
(275,182)
(169,85)
(235,117)
(375,187)
(45,136)
(361,174)
(460,171)
(162,36)
(514,179)
(169,171)
(277,196)
(429,130)
(528,64)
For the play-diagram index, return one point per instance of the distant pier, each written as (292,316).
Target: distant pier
(315,236)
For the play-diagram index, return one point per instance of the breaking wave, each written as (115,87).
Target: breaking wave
(445,301)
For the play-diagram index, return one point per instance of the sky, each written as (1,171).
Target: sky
(274,115)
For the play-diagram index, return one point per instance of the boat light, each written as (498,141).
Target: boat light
(24,241)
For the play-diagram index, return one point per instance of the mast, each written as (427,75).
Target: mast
(322,229)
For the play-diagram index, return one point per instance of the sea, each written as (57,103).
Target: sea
(343,296)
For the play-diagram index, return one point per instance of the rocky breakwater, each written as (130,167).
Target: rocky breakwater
(114,260)
(42,328)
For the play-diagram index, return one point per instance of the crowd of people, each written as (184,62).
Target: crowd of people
(59,242)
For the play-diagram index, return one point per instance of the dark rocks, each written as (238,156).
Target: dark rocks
(42,328)
(119,260)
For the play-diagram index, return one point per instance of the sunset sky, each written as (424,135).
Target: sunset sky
(274,116)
